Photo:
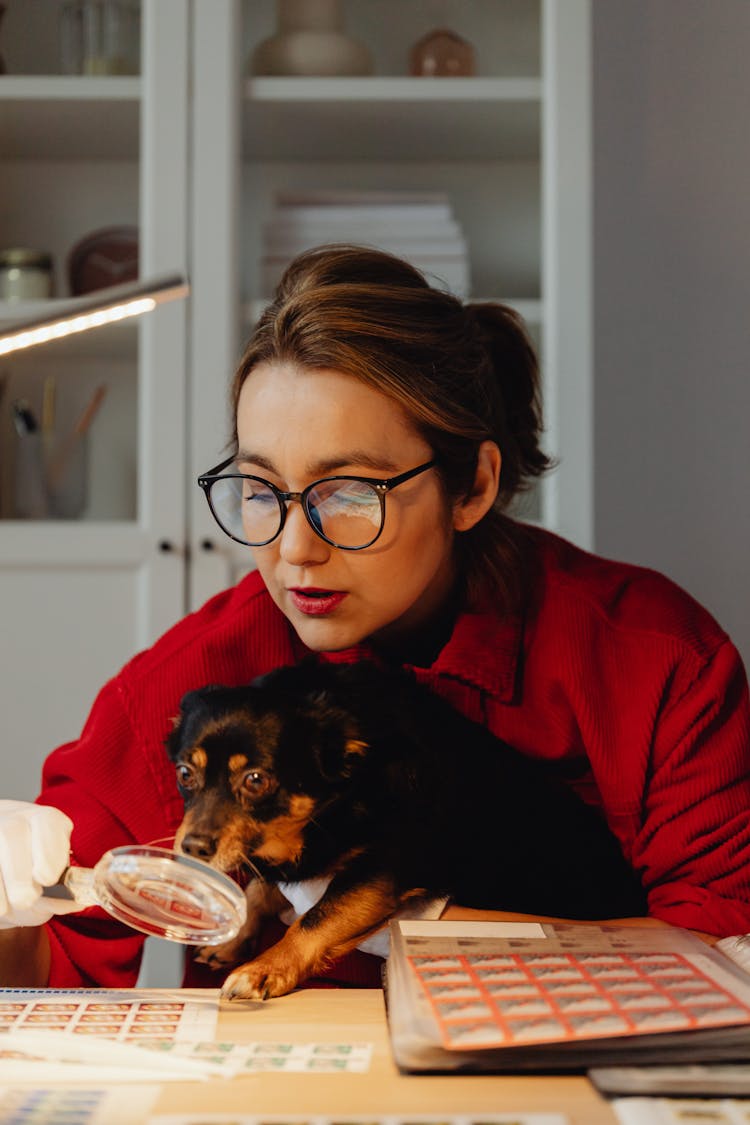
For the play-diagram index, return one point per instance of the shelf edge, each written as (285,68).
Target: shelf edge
(64,88)
(393,89)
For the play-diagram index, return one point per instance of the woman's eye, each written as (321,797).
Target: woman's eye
(186,778)
(257,492)
(256,783)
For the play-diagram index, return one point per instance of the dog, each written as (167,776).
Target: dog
(361,774)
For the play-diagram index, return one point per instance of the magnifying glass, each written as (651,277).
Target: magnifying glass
(159,892)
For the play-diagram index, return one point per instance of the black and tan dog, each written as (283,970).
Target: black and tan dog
(363,775)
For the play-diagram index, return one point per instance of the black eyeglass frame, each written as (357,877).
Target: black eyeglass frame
(382,488)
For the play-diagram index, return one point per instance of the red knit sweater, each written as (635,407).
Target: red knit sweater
(612,672)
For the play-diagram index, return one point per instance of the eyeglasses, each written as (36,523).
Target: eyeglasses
(347,512)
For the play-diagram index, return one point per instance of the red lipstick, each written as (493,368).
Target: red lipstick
(315,602)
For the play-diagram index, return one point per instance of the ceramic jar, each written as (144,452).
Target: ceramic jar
(442,54)
(310,40)
(25,275)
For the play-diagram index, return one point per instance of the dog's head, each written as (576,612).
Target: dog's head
(255,766)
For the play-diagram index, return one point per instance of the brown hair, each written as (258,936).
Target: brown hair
(462,373)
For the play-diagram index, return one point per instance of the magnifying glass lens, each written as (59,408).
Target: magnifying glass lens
(162,893)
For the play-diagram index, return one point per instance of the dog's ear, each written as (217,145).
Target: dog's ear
(192,705)
(340,747)
(173,741)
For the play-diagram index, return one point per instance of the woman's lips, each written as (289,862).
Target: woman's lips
(315,602)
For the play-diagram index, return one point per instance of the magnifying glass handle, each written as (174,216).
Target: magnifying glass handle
(75,885)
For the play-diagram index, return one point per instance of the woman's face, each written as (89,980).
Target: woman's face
(296,425)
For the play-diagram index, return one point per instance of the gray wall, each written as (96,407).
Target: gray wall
(671,91)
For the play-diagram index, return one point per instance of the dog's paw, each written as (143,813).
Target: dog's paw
(260,980)
(226,955)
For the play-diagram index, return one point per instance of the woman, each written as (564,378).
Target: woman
(365,391)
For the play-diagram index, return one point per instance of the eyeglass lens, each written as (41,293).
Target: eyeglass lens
(346,512)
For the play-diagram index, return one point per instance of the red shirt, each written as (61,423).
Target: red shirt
(611,672)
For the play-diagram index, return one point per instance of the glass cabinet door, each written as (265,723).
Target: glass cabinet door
(93,166)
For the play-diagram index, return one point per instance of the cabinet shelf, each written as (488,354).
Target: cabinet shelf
(392,118)
(69,118)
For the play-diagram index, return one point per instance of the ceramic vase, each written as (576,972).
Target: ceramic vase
(310,40)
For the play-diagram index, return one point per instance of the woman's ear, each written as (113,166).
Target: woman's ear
(481,497)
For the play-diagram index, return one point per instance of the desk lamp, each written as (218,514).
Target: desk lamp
(105,307)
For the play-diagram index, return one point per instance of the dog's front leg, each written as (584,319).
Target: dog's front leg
(264,900)
(345,915)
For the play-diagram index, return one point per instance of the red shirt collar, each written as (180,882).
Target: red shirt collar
(483,651)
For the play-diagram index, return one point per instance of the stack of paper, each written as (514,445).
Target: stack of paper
(491,996)
(416,226)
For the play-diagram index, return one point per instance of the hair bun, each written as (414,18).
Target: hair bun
(515,370)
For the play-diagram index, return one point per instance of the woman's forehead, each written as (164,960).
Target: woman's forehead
(314,398)
(318,422)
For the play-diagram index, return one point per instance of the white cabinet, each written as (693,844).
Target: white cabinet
(194,150)
(79,596)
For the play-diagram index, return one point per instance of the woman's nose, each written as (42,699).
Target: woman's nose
(298,543)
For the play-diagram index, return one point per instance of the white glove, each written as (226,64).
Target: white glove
(302,896)
(34,852)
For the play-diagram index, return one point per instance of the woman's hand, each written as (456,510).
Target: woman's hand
(34,852)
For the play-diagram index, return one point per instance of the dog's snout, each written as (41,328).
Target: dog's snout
(198,846)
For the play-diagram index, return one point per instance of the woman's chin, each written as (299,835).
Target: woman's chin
(322,634)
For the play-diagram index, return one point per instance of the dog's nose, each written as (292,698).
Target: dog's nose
(199,847)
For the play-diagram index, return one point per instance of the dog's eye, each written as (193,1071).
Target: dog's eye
(186,778)
(256,783)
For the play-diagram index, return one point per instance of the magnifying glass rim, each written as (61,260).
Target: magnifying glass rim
(210,878)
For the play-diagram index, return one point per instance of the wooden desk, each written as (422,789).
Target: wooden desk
(358,1015)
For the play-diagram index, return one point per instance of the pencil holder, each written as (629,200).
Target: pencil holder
(51,477)
(65,465)
(29,497)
